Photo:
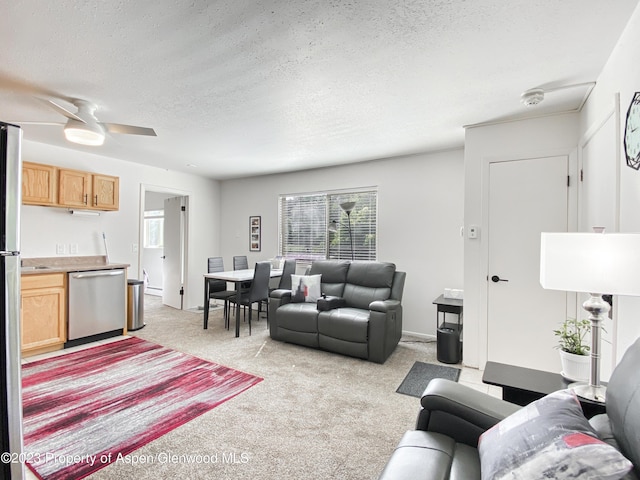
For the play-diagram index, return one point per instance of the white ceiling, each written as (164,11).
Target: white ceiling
(246,87)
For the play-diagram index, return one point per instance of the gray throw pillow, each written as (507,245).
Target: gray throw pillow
(549,438)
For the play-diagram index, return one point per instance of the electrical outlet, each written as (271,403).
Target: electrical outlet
(134,248)
(73,248)
(61,249)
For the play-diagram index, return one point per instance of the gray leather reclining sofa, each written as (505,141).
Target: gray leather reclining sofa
(453,416)
(364,321)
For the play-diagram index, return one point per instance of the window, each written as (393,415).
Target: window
(363,224)
(305,219)
(153,228)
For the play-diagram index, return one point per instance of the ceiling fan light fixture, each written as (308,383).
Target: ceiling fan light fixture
(90,134)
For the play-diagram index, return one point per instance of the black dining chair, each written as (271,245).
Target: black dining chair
(288,269)
(240,263)
(258,292)
(218,288)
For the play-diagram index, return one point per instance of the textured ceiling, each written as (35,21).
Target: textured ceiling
(239,87)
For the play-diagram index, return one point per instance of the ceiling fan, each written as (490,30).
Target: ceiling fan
(84,128)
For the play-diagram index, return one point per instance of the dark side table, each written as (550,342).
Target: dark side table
(524,385)
(449,334)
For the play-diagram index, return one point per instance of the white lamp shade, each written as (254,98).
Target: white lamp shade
(598,263)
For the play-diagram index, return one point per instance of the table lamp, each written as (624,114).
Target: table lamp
(598,264)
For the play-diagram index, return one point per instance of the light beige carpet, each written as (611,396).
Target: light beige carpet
(316,415)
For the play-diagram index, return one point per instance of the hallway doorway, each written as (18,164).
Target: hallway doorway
(162,238)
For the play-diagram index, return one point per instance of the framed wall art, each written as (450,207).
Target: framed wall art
(254,233)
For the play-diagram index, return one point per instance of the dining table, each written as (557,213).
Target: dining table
(233,276)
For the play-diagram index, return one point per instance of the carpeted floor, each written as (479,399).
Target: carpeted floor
(91,401)
(316,415)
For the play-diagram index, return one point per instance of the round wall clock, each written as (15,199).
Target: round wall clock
(632,133)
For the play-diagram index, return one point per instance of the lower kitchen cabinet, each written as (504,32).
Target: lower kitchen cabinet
(43,313)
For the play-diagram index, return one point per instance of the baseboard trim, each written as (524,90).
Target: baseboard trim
(426,336)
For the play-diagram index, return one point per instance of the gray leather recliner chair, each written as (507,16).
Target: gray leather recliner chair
(453,416)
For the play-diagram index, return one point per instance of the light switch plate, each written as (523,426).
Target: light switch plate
(61,249)
(73,248)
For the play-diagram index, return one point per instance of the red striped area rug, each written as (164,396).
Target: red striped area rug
(84,409)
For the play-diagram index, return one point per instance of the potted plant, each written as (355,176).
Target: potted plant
(574,353)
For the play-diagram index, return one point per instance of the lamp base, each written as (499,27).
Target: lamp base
(589,392)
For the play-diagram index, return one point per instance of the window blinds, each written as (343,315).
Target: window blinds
(304,220)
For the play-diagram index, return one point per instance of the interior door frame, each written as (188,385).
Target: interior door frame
(611,333)
(144,188)
(572,224)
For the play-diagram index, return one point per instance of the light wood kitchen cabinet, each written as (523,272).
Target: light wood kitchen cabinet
(38,184)
(74,188)
(62,187)
(87,190)
(43,313)
(106,192)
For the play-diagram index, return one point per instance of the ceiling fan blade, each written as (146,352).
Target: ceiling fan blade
(19,122)
(63,110)
(129,129)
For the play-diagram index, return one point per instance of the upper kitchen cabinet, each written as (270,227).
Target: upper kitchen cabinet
(38,184)
(74,188)
(88,190)
(62,187)
(106,192)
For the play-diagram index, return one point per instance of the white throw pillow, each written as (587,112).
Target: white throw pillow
(305,288)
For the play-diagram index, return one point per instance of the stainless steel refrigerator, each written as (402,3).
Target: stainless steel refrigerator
(10,366)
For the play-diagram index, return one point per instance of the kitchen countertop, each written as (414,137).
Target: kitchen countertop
(38,266)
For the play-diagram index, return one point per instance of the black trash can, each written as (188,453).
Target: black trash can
(449,347)
(135,305)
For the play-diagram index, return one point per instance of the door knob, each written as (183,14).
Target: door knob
(497,279)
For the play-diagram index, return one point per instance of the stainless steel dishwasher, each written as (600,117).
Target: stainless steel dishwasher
(96,303)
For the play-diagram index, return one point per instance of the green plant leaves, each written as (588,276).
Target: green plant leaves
(571,334)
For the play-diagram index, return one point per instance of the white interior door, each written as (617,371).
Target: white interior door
(174,245)
(526,197)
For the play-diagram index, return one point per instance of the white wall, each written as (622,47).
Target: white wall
(420,212)
(44,227)
(422,239)
(552,135)
(621,76)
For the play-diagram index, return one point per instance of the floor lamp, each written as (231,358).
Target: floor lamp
(347,207)
(598,264)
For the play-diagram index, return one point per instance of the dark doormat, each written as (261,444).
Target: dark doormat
(421,374)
